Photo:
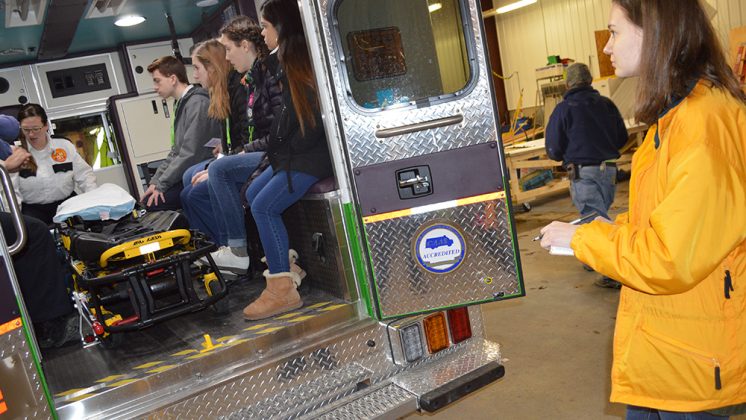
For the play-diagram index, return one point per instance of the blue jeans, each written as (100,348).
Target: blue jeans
(195,200)
(595,190)
(642,413)
(227,176)
(269,196)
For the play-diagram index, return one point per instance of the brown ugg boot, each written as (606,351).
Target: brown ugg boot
(280,295)
(295,268)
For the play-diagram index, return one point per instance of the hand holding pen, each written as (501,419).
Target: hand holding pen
(590,216)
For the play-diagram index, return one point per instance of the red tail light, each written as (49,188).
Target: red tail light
(458,319)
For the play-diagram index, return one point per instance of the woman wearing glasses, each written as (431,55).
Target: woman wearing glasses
(55,171)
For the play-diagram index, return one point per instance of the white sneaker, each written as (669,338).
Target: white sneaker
(226,260)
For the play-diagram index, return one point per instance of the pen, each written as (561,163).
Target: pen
(577,221)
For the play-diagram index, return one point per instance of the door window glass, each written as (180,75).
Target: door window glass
(402,51)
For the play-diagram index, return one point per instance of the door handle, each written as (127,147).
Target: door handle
(15,213)
(417,180)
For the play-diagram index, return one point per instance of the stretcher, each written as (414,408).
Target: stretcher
(137,271)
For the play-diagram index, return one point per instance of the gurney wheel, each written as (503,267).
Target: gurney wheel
(110,341)
(221,306)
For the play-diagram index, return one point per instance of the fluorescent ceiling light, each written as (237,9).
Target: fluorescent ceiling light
(206,3)
(435,6)
(129,20)
(513,6)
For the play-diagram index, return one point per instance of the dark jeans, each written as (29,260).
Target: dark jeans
(195,200)
(595,190)
(642,413)
(269,196)
(38,270)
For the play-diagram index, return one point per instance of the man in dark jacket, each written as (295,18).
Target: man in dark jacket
(191,129)
(586,132)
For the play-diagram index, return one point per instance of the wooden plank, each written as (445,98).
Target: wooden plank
(604,61)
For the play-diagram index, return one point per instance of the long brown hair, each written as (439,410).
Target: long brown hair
(211,54)
(27,111)
(679,46)
(293,55)
(245,28)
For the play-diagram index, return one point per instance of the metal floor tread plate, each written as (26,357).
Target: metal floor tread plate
(75,373)
(386,401)
(332,384)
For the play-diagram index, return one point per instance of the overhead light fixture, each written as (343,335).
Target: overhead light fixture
(512,6)
(206,3)
(435,6)
(129,20)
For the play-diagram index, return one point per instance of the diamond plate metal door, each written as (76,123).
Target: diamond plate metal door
(421,138)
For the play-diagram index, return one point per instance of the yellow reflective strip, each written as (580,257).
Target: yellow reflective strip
(269,330)
(198,356)
(333,307)
(289,315)
(161,369)
(301,318)
(226,338)
(69,391)
(184,353)
(109,378)
(81,397)
(480,198)
(241,341)
(318,305)
(10,326)
(147,365)
(256,327)
(432,207)
(122,383)
(387,216)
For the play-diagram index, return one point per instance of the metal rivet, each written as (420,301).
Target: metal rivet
(371,343)
(373,210)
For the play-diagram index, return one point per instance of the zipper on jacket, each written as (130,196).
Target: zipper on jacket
(697,355)
(728,283)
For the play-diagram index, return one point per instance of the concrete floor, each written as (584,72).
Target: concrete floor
(556,339)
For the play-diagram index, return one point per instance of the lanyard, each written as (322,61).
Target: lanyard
(173,123)
(228,133)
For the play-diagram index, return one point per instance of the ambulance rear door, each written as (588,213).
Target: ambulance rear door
(416,108)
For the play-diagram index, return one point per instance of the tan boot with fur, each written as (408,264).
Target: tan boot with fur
(280,296)
(295,268)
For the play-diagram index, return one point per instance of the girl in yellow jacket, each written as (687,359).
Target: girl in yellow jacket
(680,251)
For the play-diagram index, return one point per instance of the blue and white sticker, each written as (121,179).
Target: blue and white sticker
(440,248)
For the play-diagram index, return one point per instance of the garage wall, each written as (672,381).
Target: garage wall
(565,27)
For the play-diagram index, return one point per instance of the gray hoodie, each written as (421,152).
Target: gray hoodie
(192,129)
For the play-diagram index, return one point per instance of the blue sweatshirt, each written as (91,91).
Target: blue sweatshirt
(585,128)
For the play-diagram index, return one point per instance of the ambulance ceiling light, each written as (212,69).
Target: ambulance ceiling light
(206,3)
(513,6)
(435,6)
(129,20)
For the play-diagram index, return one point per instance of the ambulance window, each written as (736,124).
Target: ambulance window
(402,51)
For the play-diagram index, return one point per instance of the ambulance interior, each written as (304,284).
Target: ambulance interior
(113,130)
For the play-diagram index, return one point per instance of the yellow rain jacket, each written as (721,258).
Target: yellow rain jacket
(680,252)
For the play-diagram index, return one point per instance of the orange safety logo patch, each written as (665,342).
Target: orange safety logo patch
(59,155)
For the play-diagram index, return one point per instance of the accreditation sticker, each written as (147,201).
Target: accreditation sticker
(439,248)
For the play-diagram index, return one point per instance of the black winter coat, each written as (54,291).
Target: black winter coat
(239,122)
(289,149)
(267,101)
